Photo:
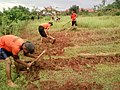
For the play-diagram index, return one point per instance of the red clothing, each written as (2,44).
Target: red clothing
(11,43)
(73,16)
(45,25)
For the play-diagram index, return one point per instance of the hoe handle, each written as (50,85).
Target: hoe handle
(36,59)
(38,56)
(66,23)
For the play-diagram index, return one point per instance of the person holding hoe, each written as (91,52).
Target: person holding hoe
(43,31)
(11,45)
(73,18)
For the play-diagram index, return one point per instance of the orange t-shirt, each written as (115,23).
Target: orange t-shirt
(45,25)
(11,43)
(73,16)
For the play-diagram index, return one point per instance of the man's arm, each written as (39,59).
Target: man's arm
(30,55)
(16,59)
(47,31)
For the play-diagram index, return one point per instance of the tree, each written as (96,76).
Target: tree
(114,5)
(75,8)
(103,2)
(117,3)
(11,17)
(17,13)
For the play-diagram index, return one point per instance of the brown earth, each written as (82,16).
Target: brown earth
(78,64)
(52,85)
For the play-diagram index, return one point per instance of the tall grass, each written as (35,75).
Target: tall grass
(13,28)
(3,85)
(107,75)
(90,22)
(99,22)
(83,22)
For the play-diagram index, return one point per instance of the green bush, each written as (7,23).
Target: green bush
(0,20)
(117,13)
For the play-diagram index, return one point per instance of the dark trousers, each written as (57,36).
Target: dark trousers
(41,31)
(4,53)
(74,23)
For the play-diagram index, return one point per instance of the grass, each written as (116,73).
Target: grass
(90,22)
(59,76)
(94,41)
(98,22)
(107,75)
(83,22)
(94,49)
(3,85)
(104,74)
(99,28)
(15,27)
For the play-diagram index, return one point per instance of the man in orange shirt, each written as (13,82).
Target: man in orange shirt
(11,45)
(43,30)
(73,18)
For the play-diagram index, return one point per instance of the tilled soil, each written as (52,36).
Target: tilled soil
(78,64)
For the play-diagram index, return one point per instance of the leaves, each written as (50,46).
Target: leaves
(9,19)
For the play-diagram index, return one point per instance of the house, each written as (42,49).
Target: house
(86,9)
(49,11)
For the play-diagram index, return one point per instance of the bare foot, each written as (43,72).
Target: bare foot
(11,84)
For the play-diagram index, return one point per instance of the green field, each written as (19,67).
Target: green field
(94,35)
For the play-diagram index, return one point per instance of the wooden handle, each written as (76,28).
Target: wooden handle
(38,56)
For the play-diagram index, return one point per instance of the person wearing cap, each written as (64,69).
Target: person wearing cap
(43,31)
(11,45)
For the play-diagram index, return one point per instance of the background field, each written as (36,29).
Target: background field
(75,52)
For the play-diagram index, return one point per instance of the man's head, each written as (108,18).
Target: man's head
(73,11)
(51,23)
(28,47)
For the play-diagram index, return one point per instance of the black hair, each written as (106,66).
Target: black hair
(51,23)
(29,46)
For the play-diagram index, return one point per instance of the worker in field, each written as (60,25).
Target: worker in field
(43,30)
(73,18)
(11,45)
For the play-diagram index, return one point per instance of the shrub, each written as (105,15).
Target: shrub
(117,13)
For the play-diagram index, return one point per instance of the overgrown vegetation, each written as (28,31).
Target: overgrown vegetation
(13,19)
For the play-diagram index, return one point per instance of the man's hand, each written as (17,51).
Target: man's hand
(29,65)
